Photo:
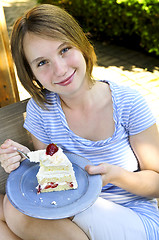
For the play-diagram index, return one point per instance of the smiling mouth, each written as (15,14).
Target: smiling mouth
(67,81)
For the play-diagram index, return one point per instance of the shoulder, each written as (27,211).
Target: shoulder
(123,91)
(32,105)
(131,108)
(123,95)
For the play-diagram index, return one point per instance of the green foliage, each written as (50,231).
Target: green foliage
(134,21)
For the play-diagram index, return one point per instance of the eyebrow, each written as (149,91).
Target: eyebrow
(38,59)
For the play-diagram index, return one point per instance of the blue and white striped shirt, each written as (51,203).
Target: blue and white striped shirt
(131,116)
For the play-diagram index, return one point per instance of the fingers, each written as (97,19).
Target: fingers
(110,173)
(10,161)
(11,145)
(103,169)
(100,169)
(6,143)
(12,167)
(91,169)
(7,150)
(9,157)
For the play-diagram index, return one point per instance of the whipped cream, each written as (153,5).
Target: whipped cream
(58,158)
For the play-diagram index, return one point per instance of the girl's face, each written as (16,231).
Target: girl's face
(58,66)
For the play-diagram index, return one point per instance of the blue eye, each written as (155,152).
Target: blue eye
(42,63)
(65,50)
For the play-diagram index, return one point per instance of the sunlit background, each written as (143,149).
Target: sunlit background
(140,78)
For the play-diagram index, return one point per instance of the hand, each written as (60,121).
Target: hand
(109,173)
(143,183)
(10,159)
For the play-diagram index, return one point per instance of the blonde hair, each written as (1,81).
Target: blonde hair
(53,22)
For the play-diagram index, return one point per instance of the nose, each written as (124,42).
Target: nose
(60,67)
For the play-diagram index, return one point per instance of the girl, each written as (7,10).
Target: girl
(108,124)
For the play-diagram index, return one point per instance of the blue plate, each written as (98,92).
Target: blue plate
(22,193)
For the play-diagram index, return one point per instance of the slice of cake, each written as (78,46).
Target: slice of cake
(56,172)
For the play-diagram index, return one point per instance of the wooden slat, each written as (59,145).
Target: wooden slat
(12,119)
(8,85)
(11,127)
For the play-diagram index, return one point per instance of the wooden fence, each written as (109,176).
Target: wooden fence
(8,84)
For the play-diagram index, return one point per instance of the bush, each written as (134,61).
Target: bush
(135,22)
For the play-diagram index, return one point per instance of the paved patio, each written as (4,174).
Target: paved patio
(132,68)
(115,63)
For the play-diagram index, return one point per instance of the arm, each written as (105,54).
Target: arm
(145,182)
(37,143)
(146,147)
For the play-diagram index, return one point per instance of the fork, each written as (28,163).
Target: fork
(23,154)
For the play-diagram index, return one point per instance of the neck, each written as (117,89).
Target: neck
(80,99)
(88,99)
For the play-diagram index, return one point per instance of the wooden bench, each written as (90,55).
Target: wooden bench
(11,126)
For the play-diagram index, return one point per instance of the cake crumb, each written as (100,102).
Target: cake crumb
(53,203)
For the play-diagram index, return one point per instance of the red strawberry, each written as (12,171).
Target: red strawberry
(54,185)
(51,185)
(51,149)
(39,189)
(71,184)
(47,186)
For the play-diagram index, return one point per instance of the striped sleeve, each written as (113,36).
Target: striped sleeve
(140,116)
(34,122)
